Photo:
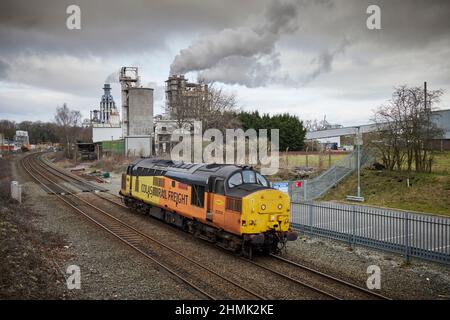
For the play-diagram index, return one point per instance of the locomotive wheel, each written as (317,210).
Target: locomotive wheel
(247,250)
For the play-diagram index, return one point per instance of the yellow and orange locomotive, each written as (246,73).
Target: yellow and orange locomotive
(232,206)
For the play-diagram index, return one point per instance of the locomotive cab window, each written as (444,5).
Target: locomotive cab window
(262,180)
(247,177)
(235,180)
(219,187)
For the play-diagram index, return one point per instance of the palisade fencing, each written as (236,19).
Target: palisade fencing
(411,234)
(318,186)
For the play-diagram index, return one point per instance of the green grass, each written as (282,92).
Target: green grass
(428,192)
(441,162)
(313,160)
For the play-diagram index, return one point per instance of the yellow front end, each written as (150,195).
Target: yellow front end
(265,210)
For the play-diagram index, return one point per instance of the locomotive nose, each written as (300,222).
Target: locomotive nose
(274,207)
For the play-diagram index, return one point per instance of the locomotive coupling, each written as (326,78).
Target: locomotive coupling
(291,235)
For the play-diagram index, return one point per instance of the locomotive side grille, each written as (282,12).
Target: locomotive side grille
(158,182)
(233,204)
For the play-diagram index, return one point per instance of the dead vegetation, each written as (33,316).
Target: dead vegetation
(29,257)
(113,163)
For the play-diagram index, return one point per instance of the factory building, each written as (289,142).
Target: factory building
(185,100)
(164,128)
(107,107)
(137,113)
(106,120)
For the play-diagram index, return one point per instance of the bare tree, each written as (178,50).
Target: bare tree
(219,111)
(215,108)
(69,122)
(405,129)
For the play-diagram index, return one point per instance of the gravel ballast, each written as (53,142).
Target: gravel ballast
(111,270)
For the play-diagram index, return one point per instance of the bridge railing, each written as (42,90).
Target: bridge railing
(314,188)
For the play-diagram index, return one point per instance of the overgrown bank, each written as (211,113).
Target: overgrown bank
(427,192)
(30,259)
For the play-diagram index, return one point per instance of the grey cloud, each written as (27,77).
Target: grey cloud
(254,43)
(325,60)
(158,90)
(111,26)
(4,68)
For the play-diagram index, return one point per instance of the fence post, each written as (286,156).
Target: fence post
(305,193)
(310,217)
(406,232)
(16,191)
(353,226)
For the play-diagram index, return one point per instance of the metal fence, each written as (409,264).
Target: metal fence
(410,234)
(318,186)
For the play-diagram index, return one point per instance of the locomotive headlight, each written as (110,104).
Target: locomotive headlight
(252,222)
(263,207)
(280,206)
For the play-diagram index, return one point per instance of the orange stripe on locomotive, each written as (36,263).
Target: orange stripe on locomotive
(177,197)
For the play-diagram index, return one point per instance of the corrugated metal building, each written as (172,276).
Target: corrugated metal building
(442,120)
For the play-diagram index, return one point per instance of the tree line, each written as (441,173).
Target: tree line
(291,129)
(219,110)
(65,129)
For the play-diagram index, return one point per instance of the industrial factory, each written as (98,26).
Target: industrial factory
(138,132)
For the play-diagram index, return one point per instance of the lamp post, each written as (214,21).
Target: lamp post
(358,142)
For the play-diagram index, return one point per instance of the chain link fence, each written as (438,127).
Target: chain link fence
(314,188)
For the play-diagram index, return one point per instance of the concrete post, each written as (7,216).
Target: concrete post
(16,191)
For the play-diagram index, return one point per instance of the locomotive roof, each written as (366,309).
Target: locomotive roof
(200,172)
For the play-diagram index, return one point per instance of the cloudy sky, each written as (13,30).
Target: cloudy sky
(311,58)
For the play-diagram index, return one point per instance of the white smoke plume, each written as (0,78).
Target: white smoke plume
(245,55)
(113,77)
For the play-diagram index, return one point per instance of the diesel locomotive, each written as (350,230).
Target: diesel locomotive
(232,206)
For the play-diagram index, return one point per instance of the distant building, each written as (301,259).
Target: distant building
(21,139)
(106,120)
(164,129)
(183,98)
(332,143)
(442,120)
(137,113)
(107,107)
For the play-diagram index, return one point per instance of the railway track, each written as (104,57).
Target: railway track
(325,285)
(139,241)
(320,282)
(348,286)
